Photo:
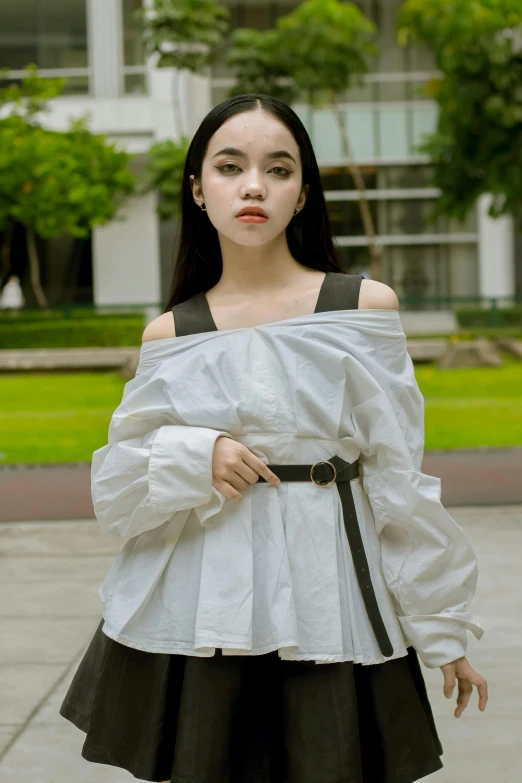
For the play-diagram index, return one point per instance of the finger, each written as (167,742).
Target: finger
(465,690)
(228,490)
(237,480)
(247,473)
(261,469)
(482,688)
(449,681)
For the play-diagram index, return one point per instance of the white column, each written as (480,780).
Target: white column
(194,97)
(105,33)
(496,252)
(126,268)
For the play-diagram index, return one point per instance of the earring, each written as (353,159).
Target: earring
(203,207)
(295,213)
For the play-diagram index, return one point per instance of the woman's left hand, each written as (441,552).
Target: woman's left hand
(467,677)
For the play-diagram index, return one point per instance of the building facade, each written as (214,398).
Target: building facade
(95,45)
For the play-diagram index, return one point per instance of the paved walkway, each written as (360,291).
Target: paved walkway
(469,477)
(49,579)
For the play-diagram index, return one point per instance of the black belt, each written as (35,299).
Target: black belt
(344,472)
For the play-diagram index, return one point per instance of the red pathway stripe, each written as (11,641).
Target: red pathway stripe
(473,477)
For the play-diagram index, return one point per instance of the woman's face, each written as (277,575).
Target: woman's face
(252,175)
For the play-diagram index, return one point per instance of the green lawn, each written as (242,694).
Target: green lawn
(56,418)
(64,417)
(472,407)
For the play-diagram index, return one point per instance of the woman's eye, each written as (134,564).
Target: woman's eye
(284,172)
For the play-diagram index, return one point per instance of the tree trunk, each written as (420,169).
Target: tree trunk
(34,266)
(369,229)
(5,252)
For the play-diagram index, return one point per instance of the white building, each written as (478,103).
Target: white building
(95,44)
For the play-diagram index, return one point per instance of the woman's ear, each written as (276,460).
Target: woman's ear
(303,196)
(196,190)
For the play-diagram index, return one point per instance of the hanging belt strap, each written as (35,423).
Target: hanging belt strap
(323,474)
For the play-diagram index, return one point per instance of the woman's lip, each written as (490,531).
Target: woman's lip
(252,218)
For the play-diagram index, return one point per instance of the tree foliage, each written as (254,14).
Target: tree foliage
(57,183)
(262,64)
(318,51)
(54,182)
(477,146)
(331,44)
(164,173)
(183,33)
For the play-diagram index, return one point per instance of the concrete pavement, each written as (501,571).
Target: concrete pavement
(49,576)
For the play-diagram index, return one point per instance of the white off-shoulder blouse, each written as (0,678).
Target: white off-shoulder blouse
(199,571)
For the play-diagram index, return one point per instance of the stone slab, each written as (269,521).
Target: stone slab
(22,685)
(55,599)
(429,322)
(28,359)
(57,538)
(428,350)
(86,570)
(38,640)
(478,747)
(52,754)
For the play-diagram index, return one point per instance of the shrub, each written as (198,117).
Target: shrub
(71,333)
(477,317)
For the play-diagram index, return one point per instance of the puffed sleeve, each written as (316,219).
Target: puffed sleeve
(152,466)
(427,560)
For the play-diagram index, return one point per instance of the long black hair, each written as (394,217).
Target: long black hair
(198,264)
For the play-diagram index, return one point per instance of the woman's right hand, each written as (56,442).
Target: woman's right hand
(235,466)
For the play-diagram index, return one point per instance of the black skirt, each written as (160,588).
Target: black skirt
(252,719)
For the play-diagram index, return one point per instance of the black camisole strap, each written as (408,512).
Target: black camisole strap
(339,292)
(192,316)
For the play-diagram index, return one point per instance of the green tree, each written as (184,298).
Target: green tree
(164,173)
(319,51)
(182,34)
(476,148)
(54,182)
(262,64)
(178,34)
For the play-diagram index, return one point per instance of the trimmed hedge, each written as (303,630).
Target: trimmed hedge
(66,314)
(100,331)
(477,317)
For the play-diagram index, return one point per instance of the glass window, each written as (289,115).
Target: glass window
(405,176)
(345,218)
(421,59)
(363,93)
(431,271)
(132,44)
(392,91)
(420,271)
(50,33)
(392,57)
(339,178)
(410,217)
(354,260)
(134,73)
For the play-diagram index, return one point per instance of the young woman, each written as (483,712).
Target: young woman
(286,563)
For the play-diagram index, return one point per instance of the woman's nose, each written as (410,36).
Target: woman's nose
(253,185)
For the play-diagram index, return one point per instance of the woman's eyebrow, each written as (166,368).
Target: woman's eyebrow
(240,154)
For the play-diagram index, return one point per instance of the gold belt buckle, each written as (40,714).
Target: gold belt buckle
(323,462)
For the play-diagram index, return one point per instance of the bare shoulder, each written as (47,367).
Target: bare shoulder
(377,296)
(159,328)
